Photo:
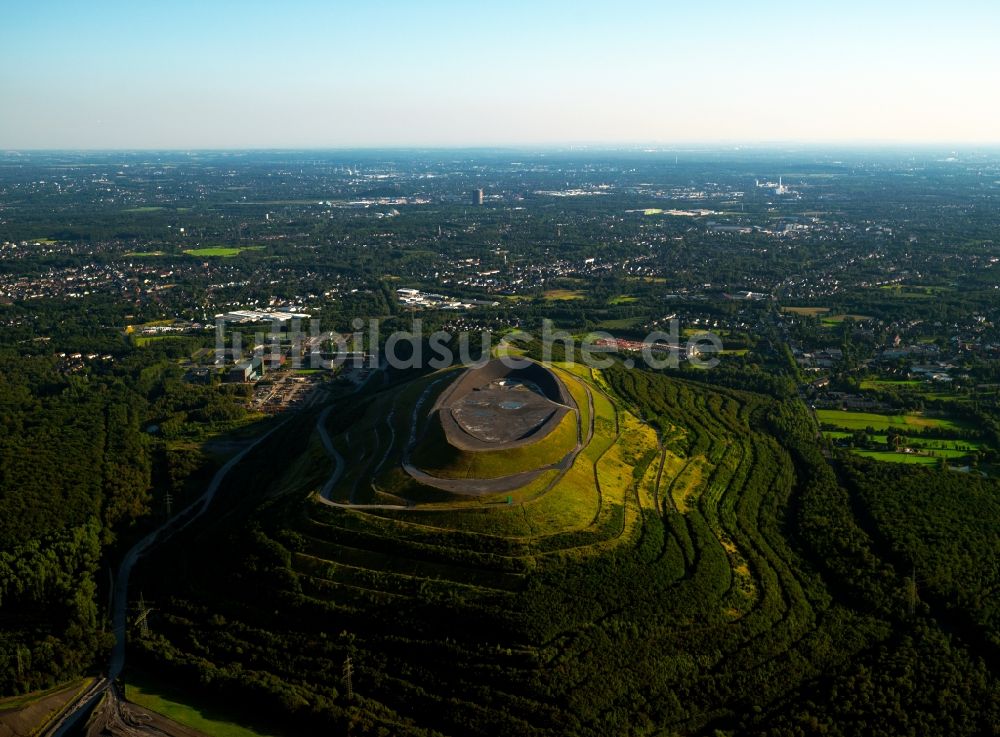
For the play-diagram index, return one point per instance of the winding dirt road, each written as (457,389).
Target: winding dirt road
(467,487)
(105,687)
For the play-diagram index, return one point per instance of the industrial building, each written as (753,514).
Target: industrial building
(246,371)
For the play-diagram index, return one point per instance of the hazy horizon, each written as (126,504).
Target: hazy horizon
(666,148)
(251,76)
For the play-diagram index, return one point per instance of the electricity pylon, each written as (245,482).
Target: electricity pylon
(348,673)
(142,617)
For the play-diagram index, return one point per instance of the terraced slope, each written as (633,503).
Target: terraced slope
(649,588)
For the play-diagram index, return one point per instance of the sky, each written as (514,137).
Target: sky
(436,73)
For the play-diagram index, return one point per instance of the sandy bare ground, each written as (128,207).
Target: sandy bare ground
(113,716)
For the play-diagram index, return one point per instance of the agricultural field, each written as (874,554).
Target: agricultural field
(849,420)
(889,456)
(647,279)
(145,340)
(947,446)
(624,323)
(910,447)
(623,299)
(221,251)
(831,321)
(562,295)
(806,311)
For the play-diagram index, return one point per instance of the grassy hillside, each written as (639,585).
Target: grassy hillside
(439,458)
(698,569)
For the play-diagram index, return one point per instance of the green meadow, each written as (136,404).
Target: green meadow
(221,251)
(862,420)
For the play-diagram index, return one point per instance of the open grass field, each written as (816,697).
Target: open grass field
(925,389)
(647,279)
(187,711)
(273,202)
(913,291)
(693,332)
(889,384)
(861,420)
(579,370)
(914,449)
(806,311)
(893,457)
(918,453)
(830,321)
(144,340)
(623,299)
(946,396)
(139,210)
(949,445)
(221,251)
(625,323)
(562,295)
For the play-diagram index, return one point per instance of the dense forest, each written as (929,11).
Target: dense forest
(74,471)
(79,475)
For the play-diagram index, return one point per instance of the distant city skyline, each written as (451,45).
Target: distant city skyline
(389,73)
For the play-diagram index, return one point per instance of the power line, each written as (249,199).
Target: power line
(348,673)
(142,617)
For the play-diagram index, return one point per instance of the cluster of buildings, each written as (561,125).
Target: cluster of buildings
(778,188)
(73,362)
(635,346)
(823,358)
(417,299)
(173,328)
(75,282)
(254,316)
